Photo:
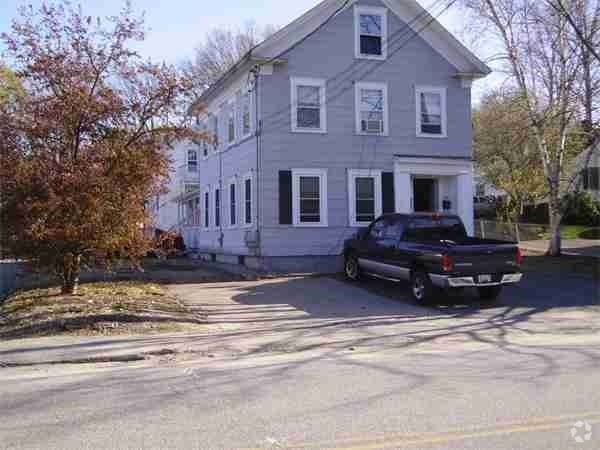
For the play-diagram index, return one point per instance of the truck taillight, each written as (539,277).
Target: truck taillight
(447,263)
(519,257)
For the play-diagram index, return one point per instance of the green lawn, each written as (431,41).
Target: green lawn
(577,232)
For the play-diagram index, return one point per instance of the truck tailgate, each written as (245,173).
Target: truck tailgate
(481,259)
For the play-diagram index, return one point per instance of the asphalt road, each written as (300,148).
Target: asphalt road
(378,375)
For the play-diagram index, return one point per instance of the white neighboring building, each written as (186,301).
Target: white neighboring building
(483,188)
(175,209)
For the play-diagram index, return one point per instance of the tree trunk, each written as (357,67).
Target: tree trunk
(554,211)
(71,267)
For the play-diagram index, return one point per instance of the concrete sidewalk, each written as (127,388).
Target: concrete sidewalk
(573,247)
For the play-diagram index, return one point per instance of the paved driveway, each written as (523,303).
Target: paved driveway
(291,314)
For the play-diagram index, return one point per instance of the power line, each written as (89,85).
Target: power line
(351,72)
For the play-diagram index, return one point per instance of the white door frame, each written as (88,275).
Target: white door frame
(405,167)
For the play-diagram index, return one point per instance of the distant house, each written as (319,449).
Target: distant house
(356,109)
(588,166)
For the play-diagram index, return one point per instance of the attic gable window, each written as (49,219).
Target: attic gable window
(370,32)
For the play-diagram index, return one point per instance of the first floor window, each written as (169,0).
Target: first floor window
(431,112)
(309,193)
(197,211)
(308,105)
(232,205)
(206,210)
(217,207)
(365,194)
(371,108)
(248,201)
(365,199)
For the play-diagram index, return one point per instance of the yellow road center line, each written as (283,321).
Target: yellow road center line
(457,434)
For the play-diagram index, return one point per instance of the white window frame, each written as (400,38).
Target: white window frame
(357,102)
(245,98)
(371,10)
(187,160)
(231,117)
(215,131)
(214,208)
(442,91)
(321,83)
(233,182)
(323,210)
(205,191)
(204,143)
(353,174)
(242,222)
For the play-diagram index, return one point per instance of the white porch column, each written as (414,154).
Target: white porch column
(465,201)
(403,191)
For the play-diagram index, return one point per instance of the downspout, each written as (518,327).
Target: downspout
(258,128)
(220,210)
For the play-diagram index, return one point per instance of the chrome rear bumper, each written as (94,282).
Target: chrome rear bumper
(444,281)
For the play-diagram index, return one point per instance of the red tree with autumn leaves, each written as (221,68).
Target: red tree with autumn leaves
(87,143)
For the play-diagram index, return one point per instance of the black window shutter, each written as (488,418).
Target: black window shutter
(285,197)
(387,192)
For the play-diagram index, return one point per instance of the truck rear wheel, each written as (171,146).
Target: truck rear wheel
(421,288)
(489,293)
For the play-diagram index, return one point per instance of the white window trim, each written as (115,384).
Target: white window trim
(435,90)
(243,94)
(373,10)
(205,191)
(323,211)
(187,159)
(214,208)
(231,105)
(242,222)
(233,181)
(357,101)
(358,173)
(316,82)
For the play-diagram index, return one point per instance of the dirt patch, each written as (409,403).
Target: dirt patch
(125,307)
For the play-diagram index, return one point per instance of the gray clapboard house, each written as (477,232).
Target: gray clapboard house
(355,109)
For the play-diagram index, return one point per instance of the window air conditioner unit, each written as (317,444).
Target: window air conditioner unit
(372,126)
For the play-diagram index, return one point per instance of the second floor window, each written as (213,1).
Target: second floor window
(371,108)
(431,112)
(308,105)
(231,123)
(192,161)
(246,125)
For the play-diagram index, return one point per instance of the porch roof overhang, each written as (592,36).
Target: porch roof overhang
(433,165)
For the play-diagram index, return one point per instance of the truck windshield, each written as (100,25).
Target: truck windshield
(442,229)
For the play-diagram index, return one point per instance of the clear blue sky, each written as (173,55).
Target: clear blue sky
(177,26)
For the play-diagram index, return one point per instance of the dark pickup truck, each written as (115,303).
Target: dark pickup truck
(433,252)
